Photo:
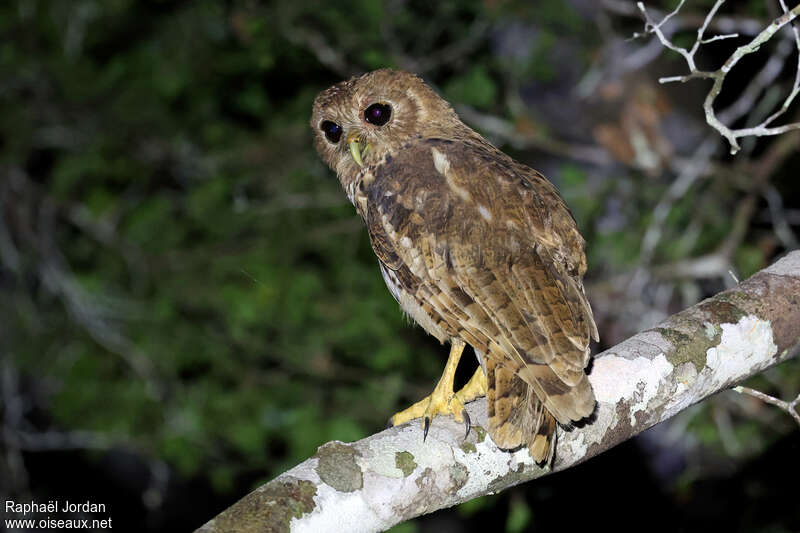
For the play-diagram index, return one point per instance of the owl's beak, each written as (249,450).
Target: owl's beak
(354,141)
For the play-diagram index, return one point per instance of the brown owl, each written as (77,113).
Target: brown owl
(477,248)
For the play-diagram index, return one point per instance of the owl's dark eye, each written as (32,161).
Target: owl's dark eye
(378,114)
(332,131)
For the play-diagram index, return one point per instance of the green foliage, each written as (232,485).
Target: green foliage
(474,87)
(519,516)
(471,507)
(198,236)
(405,527)
(749,260)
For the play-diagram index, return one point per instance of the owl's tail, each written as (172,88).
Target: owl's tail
(516,414)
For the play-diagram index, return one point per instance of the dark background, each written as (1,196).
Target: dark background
(189,306)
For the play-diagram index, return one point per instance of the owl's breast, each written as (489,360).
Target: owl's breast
(401,210)
(406,287)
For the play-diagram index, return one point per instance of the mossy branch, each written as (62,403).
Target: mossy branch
(392,476)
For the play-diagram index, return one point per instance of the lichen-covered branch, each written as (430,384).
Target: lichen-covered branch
(393,476)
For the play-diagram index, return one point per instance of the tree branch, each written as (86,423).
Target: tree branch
(393,476)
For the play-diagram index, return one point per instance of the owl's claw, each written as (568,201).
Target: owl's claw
(442,401)
(467,423)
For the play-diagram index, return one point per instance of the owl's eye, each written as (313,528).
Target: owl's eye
(378,114)
(332,131)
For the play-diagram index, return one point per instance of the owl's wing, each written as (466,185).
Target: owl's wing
(500,256)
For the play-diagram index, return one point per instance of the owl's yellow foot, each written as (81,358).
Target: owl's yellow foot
(443,401)
(475,387)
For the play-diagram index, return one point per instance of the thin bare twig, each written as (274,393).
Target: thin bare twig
(718,263)
(699,166)
(765,128)
(764,79)
(13,416)
(721,23)
(505,130)
(789,407)
(779,220)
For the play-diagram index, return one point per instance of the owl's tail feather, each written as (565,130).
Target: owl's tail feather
(543,443)
(567,403)
(516,416)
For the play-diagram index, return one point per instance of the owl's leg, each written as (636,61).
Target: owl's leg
(442,401)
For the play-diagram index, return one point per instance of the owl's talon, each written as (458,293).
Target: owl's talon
(442,401)
(467,423)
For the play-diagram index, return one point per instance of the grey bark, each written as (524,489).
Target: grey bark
(392,476)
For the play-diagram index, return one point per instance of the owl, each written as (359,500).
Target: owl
(476,248)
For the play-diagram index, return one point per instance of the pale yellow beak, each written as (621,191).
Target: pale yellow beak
(354,142)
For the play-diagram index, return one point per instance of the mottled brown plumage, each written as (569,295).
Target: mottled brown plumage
(473,245)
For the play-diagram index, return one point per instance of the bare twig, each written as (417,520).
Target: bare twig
(454,52)
(765,128)
(609,64)
(494,126)
(318,45)
(718,263)
(778,217)
(13,416)
(719,38)
(789,407)
(58,440)
(721,23)
(764,79)
(698,166)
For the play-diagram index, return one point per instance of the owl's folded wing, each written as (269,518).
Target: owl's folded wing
(500,256)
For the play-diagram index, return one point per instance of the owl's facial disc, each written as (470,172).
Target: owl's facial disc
(359,121)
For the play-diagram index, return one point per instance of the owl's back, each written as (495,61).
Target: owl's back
(476,246)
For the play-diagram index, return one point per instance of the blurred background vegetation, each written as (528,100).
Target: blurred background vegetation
(189,305)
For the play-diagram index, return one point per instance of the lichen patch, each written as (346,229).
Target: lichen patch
(468,447)
(512,477)
(690,348)
(576,446)
(459,473)
(742,348)
(405,462)
(636,381)
(711,330)
(484,464)
(338,468)
(286,500)
(743,345)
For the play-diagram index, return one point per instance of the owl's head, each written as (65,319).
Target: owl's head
(358,121)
